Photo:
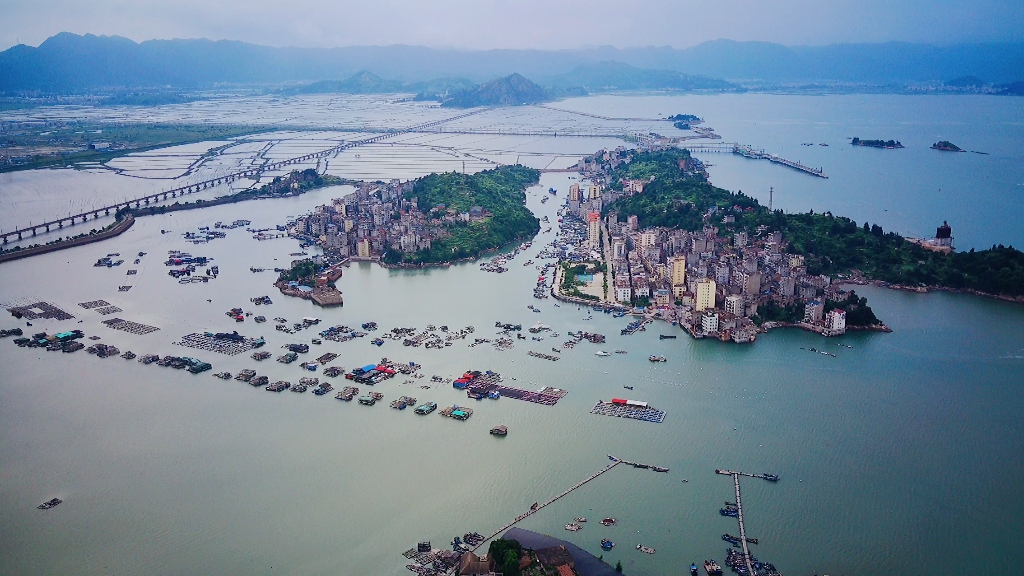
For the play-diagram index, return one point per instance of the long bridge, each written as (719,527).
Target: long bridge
(748,151)
(95,213)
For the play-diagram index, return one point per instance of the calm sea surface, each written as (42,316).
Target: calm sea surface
(903,454)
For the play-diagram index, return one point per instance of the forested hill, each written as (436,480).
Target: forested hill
(501,192)
(832,244)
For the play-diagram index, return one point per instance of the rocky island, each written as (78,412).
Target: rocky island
(946,146)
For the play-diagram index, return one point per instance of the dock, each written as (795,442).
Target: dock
(747,558)
(748,151)
(537,507)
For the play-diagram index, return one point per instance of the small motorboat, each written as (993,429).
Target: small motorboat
(628,387)
(693,569)
(601,353)
(645,549)
(572,527)
(580,520)
(608,522)
(607,544)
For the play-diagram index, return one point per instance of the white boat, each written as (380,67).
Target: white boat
(601,353)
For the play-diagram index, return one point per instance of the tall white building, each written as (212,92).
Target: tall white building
(594,230)
(835,323)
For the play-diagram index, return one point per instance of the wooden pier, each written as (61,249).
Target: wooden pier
(537,507)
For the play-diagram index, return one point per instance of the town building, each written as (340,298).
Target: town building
(705,295)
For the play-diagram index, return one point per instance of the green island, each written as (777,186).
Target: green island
(683,121)
(501,193)
(887,144)
(832,245)
(946,146)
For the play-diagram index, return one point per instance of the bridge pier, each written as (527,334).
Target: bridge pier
(33,231)
(136,204)
(47,227)
(108,212)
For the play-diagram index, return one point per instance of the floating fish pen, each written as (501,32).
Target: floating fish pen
(457,412)
(150,358)
(123,288)
(323,388)
(128,326)
(94,304)
(246,375)
(102,350)
(223,375)
(544,356)
(288,358)
(556,392)
(222,343)
(171,362)
(333,371)
(73,346)
(635,410)
(347,393)
(279,386)
(108,310)
(38,310)
(259,381)
(309,381)
(403,402)
(487,384)
(260,356)
(129,355)
(299,388)
(326,358)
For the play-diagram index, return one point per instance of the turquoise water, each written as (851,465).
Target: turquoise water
(903,454)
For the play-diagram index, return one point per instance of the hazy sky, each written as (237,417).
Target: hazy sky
(486,24)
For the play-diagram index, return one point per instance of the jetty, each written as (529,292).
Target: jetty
(748,151)
(747,559)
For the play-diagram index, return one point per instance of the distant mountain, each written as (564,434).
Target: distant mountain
(69,63)
(603,76)
(512,90)
(364,82)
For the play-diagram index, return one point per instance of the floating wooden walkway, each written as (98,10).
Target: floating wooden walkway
(748,151)
(537,507)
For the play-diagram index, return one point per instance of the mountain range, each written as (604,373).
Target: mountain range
(70,63)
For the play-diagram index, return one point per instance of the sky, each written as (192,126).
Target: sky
(541,24)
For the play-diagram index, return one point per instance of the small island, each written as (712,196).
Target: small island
(946,146)
(886,144)
(683,121)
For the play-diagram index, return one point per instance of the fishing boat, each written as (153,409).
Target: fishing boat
(425,409)
(49,504)
(499,430)
(580,520)
(712,568)
(608,522)
(601,353)
(645,549)
(607,544)
(572,527)
(654,358)
(693,569)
